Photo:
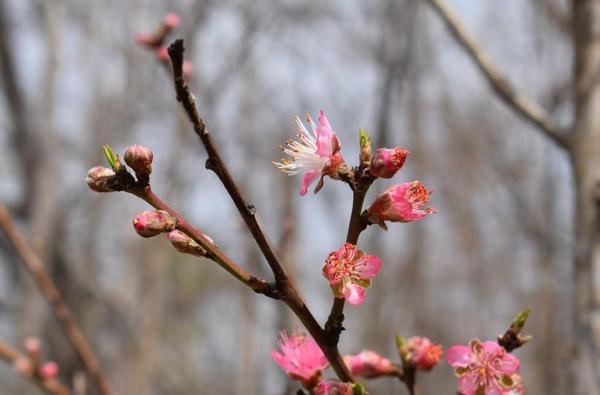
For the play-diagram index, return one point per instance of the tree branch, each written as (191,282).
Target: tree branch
(50,385)
(521,104)
(45,284)
(288,292)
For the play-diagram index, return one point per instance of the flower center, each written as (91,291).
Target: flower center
(417,195)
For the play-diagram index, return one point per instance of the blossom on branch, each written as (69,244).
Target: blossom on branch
(369,364)
(349,271)
(317,153)
(300,357)
(386,162)
(139,158)
(422,352)
(484,368)
(401,203)
(185,244)
(99,179)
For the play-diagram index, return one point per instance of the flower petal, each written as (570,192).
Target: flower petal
(371,266)
(354,294)
(458,356)
(308,179)
(510,364)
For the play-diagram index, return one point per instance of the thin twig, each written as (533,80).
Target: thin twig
(50,385)
(523,105)
(213,252)
(61,311)
(289,294)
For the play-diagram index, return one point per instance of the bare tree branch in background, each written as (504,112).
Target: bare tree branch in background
(53,296)
(49,385)
(514,99)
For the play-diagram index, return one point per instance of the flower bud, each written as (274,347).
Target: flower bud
(421,352)
(185,244)
(386,162)
(49,370)
(369,364)
(139,158)
(171,20)
(153,222)
(162,54)
(332,387)
(187,69)
(98,179)
(400,203)
(365,146)
(23,366)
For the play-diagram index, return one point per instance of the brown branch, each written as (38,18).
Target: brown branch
(213,252)
(50,385)
(287,290)
(521,104)
(45,284)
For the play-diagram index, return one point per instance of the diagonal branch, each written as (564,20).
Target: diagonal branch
(49,385)
(521,104)
(47,287)
(288,292)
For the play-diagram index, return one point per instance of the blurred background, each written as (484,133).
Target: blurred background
(73,78)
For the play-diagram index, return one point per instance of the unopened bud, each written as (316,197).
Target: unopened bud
(98,179)
(187,69)
(386,162)
(185,244)
(139,158)
(146,39)
(153,222)
(162,54)
(33,346)
(369,364)
(49,370)
(365,146)
(171,20)
(23,366)
(421,352)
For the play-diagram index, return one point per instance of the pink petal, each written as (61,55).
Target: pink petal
(493,389)
(490,347)
(458,356)
(308,179)
(324,136)
(354,294)
(372,266)
(468,384)
(510,364)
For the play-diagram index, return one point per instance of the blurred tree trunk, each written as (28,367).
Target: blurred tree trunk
(586,161)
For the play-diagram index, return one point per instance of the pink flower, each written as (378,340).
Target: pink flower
(484,368)
(301,358)
(423,353)
(162,54)
(401,203)
(316,154)
(386,162)
(49,370)
(349,271)
(369,364)
(332,387)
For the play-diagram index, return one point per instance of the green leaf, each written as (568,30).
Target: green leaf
(521,318)
(358,389)
(111,157)
(363,138)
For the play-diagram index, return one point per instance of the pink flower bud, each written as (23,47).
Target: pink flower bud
(162,54)
(369,364)
(332,387)
(300,357)
(139,158)
(423,353)
(146,39)
(386,162)
(23,366)
(98,179)
(33,346)
(183,243)
(49,370)
(171,20)
(187,69)
(153,222)
(400,203)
